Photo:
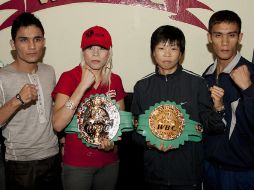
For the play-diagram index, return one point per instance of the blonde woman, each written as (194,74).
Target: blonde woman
(85,167)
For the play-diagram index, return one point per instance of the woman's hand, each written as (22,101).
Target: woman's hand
(161,148)
(106,144)
(88,77)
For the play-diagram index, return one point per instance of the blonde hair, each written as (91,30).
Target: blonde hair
(106,70)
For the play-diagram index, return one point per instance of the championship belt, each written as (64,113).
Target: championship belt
(168,124)
(99,117)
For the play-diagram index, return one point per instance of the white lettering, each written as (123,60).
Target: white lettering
(45,1)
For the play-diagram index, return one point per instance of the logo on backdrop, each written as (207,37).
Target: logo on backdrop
(178,8)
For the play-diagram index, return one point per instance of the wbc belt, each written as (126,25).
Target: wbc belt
(167,123)
(99,117)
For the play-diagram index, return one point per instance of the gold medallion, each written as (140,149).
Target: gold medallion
(166,122)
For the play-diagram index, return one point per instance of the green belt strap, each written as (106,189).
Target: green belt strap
(126,124)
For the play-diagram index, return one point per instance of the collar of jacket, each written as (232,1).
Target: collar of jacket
(168,76)
(228,68)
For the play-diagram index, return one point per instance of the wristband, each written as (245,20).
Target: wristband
(219,109)
(70,105)
(221,112)
(20,99)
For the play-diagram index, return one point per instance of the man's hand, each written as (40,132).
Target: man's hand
(28,93)
(241,77)
(217,94)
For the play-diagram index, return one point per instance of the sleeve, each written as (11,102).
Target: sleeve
(211,120)
(136,111)
(2,102)
(248,100)
(54,77)
(2,99)
(65,85)
(135,108)
(120,93)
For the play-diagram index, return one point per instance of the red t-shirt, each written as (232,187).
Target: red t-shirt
(75,152)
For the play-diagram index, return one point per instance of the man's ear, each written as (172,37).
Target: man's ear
(209,37)
(44,42)
(12,43)
(240,38)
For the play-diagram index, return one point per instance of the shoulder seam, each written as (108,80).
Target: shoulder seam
(1,88)
(149,75)
(192,73)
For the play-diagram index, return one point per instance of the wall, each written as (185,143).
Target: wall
(131,24)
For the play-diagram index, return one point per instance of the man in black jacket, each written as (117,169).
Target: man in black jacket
(169,161)
(230,154)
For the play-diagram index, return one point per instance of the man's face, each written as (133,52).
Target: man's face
(225,39)
(167,56)
(29,44)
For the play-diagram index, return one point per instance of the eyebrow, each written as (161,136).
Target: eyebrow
(22,37)
(234,32)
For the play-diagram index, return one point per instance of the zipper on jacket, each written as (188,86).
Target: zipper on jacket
(217,79)
(166,78)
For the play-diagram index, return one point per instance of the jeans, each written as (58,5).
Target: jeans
(2,173)
(34,175)
(85,178)
(220,179)
(152,186)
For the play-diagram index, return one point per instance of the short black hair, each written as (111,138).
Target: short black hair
(23,20)
(168,33)
(224,16)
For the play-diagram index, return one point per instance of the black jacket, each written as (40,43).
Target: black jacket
(234,148)
(182,166)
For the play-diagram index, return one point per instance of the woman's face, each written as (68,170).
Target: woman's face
(167,56)
(95,57)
